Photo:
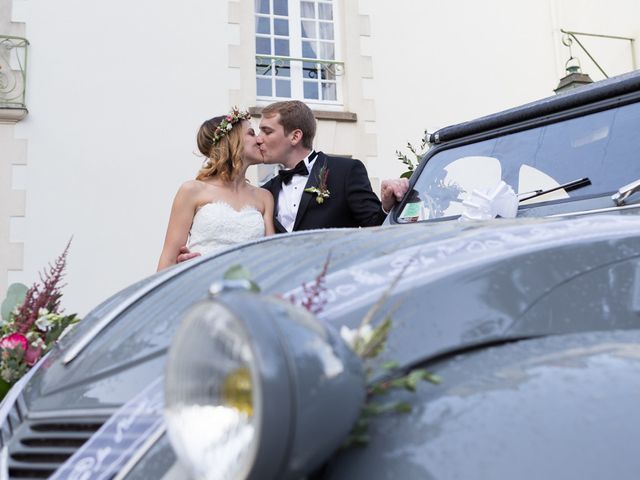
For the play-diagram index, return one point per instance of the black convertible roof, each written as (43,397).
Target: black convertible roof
(585,95)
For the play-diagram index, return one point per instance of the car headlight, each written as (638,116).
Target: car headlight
(258,388)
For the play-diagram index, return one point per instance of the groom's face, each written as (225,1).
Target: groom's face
(274,144)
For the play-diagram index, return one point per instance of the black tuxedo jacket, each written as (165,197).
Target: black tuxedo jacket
(351,203)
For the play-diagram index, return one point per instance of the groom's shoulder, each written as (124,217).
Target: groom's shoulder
(337,161)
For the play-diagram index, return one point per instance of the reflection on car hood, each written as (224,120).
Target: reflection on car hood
(452,274)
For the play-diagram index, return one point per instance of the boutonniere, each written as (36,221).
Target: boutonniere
(321,190)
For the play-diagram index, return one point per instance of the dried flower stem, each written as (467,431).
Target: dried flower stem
(45,296)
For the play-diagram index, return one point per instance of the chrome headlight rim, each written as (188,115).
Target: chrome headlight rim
(271,418)
(305,371)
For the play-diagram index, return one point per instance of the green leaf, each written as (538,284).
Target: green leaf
(238,272)
(379,388)
(373,409)
(406,174)
(390,365)
(430,377)
(15,296)
(378,340)
(402,407)
(414,377)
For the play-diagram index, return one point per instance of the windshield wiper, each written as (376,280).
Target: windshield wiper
(567,187)
(620,197)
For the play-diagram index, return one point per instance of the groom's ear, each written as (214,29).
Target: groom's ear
(295,137)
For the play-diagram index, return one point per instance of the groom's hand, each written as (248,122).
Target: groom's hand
(185,254)
(392,192)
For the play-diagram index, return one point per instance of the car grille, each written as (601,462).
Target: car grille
(37,447)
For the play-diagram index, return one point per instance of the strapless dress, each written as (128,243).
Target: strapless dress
(218,225)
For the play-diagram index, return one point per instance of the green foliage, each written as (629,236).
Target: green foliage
(59,324)
(416,152)
(15,296)
(368,343)
(238,272)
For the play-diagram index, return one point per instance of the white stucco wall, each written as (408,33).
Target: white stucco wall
(442,62)
(117,91)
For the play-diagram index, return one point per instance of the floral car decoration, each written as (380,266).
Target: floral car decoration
(32,321)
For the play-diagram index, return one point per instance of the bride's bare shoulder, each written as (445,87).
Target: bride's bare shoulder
(194,186)
(263,194)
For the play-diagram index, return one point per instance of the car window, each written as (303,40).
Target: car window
(603,146)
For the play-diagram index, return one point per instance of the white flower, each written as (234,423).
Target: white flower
(7,375)
(32,336)
(43,323)
(229,126)
(350,336)
(43,312)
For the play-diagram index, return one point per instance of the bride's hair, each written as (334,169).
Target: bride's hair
(224,156)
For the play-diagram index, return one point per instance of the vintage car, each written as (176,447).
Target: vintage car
(532,325)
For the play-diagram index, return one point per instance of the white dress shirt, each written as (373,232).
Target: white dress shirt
(291,194)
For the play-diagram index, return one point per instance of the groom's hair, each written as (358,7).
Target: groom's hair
(294,115)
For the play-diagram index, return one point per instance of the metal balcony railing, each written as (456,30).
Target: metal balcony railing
(13,71)
(312,67)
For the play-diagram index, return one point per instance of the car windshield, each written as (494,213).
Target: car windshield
(603,146)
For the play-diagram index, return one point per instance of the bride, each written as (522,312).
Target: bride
(220,208)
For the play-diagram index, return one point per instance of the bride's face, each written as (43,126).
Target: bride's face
(251,153)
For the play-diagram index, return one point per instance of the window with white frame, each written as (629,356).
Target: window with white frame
(297,50)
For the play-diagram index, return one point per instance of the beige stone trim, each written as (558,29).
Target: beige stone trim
(12,115)
(256,111)
(14,152)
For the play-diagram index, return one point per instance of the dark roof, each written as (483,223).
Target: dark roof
(588,94)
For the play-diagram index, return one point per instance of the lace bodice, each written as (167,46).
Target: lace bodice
(218,225)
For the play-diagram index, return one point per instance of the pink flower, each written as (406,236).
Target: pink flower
(14,340)
(229,118)
(32,355)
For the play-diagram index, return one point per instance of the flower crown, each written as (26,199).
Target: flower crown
(227,123)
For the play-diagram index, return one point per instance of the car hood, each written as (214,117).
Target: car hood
(450,277)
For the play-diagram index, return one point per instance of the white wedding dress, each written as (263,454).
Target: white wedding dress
(218,225)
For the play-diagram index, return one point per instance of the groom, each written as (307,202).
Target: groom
(315,190)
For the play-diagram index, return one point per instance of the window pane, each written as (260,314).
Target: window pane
(263,45)
(308,29)
(262,6)
(311,90)
(309,49)
(307,10)
(327,72)
(326,30)
(283,88)
(327,51)
(264,87)
(262,25)
(310,70)
(281,27)
(282,47)
(329,91)
(325,11)
(283,69)
(281,7)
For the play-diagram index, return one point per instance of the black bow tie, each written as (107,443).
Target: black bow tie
(287,175)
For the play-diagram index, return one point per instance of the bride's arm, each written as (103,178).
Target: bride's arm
(267,214)
(182,212)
